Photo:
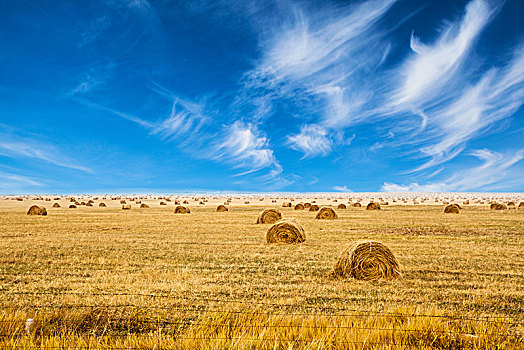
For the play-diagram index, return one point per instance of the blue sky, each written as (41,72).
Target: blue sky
(294,96)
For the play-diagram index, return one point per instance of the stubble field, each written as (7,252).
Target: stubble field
(95,277)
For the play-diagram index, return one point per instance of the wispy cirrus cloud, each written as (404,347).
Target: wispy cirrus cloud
(243,145)
(313,140)
(494,169)
(28,148)
(12,181)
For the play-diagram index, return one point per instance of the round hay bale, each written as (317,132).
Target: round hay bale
(521,205)
(89,204)
(163,203)
(222,208)
(498,206)
(179,209)
(307,205)
(384,203)
(357,205)
(326,213)
(72,206)
(246,202)
(286,205)
(367,260)
(299,206)
(185,202)
(314,207)
(36,210)
(177,202)
(286,231)
(122,202)
(511,205)
(102,205)
(269,216)
(373,206)
(465,202)
(56,205)
(144,206)
(452,209)
(341,206)
(126,206)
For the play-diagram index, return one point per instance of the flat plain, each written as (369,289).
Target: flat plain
(96,277)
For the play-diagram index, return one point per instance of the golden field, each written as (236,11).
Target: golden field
(109,278)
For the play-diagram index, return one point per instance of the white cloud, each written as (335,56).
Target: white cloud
(11,182)
(27,148)
(243,145)
(313,140)
(185,118)
(493,170)
(342,188)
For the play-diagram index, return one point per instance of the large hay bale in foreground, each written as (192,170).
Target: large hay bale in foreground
(180,209)
(373,206)
(269,216)
(102,205)
(341,206)
(222,208)
(56,205)
(299,206)
(144,206)
(498,206)
(286,231)
(367,260)
(452,209)
(314,207)
(36,210)
(326,213)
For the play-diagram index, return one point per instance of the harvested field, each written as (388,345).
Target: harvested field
(113,278)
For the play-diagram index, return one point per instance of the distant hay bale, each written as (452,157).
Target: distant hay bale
(498,206)
(126,206)
(465,202)
(373,206)
(177,203)
(246,202)
(36,210)
(163,203)
(357,205)
(307,205)
(384,203)
(511,205)
(452,209)
(102,205)
(286,231)
(222,208)
(314,207)
(179,209)
(286,205)
(299,206)
(144,206)
(89,204)
(367,260)
(122,202)
(326,213)
(269,216)
(72,206)
(341,206)
(56,205)
(185,202)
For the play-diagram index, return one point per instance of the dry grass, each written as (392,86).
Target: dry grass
(209,275)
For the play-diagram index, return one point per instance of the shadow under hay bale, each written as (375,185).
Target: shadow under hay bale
(36,210)
(56,205)
(326,213)
(269,216)
(341,206)
(452,209)
(367,260)
(179,209)
(314,207)
(299,206)
(373,206)
(222,208)
(286,231)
